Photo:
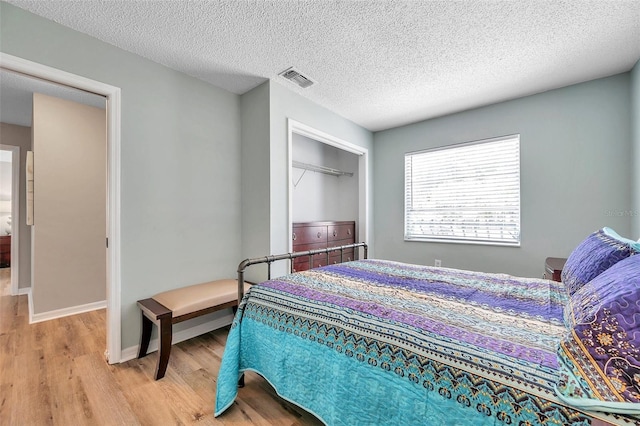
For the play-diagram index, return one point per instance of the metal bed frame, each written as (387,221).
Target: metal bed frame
(270,259)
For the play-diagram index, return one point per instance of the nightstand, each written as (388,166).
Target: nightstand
(553,268)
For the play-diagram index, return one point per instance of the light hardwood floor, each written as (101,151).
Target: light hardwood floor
(54,373)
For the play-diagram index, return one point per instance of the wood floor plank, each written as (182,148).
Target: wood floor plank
(10,305)
(180,363)
(203,383)
(7,379)
(31,392)
(69,402)
(201,352)
(149,405)
(103,393)
(241,413)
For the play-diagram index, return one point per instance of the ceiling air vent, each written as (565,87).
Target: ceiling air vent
(297,78)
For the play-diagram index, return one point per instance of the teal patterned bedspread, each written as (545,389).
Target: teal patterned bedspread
(375,342)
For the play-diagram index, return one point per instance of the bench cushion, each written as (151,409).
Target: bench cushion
(192,298)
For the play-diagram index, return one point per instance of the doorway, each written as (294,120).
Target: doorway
(112,94)
(10,209)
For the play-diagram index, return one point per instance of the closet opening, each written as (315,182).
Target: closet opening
(327,193)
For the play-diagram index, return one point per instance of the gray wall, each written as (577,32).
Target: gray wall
(255,176)
(575,168)
(635,123)
(180,202)
(10,134)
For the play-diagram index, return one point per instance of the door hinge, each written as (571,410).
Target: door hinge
(107,242)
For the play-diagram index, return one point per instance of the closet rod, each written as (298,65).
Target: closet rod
(321,169)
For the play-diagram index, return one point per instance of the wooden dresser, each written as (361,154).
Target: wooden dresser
(318,235)
(5,251)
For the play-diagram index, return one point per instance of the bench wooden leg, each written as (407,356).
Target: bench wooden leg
(145,336)
(166,331)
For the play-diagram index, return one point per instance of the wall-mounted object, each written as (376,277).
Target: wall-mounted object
(321,169)
(314,168)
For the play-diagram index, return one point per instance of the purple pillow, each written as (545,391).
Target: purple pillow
(604,340)
(600,251)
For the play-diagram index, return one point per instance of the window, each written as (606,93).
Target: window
(464,193)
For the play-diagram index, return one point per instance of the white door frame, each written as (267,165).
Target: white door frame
(112,93)
(302,129)
(15,214)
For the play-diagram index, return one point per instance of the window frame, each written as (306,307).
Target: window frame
(466,240)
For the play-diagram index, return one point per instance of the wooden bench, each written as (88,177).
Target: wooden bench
(174,306)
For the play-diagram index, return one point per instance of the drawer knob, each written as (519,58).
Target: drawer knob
(348,231)
(319,234)
(335,232)
(294,236)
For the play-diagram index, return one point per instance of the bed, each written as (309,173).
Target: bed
(374,342)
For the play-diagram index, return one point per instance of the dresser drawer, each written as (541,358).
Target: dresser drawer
(338,243)
(341,232)
(309,234)
(334,256)
(348,253)
(302,263)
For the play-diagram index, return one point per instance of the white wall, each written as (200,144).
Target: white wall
(318,196)
(575,174)
(180,141)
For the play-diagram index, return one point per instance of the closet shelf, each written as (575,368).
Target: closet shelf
(321,169)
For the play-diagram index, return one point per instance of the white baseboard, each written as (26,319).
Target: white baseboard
(22,291)
(65,312)
(132,351)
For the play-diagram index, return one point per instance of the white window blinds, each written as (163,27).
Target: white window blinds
(464,193)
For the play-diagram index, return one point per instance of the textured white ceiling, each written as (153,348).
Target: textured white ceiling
(379,63)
